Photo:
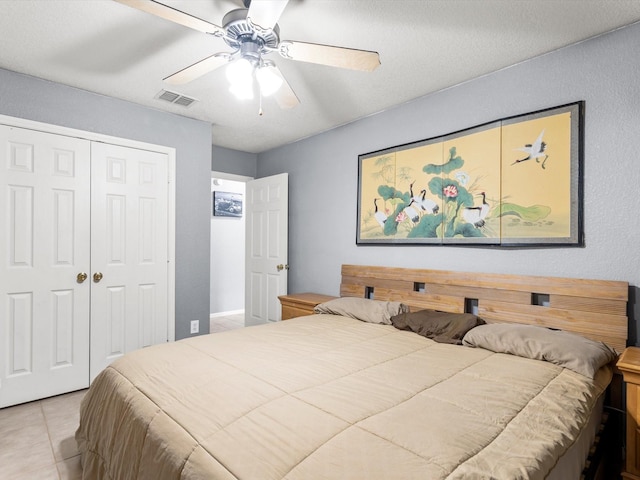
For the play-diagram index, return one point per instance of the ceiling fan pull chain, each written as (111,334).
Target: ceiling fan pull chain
(260,112)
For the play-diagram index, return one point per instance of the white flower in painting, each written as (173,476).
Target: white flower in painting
(463,178)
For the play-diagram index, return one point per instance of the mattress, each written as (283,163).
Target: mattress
(326,397)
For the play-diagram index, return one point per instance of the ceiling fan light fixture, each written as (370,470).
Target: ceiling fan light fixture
(240,76)
(268,80)
(240,71)
(242,91)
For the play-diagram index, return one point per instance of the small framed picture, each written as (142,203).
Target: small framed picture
(227,204)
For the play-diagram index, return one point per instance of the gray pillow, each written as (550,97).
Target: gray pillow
(372,311)
(565,349)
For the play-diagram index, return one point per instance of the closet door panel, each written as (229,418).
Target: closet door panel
(44,245)
(129,251)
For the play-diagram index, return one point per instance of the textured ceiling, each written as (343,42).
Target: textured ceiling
(424,46)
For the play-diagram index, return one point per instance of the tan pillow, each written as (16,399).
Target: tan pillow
(565,349)
(372,311)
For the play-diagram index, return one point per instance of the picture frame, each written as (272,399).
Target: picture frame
(227,204)
(513,182)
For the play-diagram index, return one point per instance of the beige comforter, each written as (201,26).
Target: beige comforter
(328,397)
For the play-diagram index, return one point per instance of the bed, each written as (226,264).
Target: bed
(330,396)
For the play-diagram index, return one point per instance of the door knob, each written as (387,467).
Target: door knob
(81,277)
(282,267)
(97,277)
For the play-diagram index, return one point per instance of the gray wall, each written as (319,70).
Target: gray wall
(233,161)
(602,71)
(35,99)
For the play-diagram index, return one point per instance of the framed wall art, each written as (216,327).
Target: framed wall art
(227,204)
(512,182)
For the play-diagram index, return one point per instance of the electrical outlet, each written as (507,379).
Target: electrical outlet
(195,326)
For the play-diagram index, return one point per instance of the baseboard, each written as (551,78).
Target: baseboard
(225,314)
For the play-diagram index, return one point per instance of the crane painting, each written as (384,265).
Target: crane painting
(510,182)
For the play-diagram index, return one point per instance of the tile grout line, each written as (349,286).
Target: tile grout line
(46,426)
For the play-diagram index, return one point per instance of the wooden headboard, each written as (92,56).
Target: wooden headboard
(596,309)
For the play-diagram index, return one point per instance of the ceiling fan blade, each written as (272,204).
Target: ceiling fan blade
(198,69)
(173,15)
(328,55)
(264,14)
(285,96)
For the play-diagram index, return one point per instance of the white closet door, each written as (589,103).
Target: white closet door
(44,231)
(129,304)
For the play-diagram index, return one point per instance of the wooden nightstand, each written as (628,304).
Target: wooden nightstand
(300,304)
(629,364)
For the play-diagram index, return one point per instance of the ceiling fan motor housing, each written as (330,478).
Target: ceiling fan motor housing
(242,36)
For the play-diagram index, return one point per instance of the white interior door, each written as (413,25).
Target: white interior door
(129,255)
(267,209)
(44,231)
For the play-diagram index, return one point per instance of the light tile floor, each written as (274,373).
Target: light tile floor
(37,439)
(229,322)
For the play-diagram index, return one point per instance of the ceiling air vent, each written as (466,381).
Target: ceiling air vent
(173,97)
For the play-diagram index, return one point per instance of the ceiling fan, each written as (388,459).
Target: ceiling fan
(253,33)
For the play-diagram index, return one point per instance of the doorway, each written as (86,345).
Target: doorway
(227,290)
